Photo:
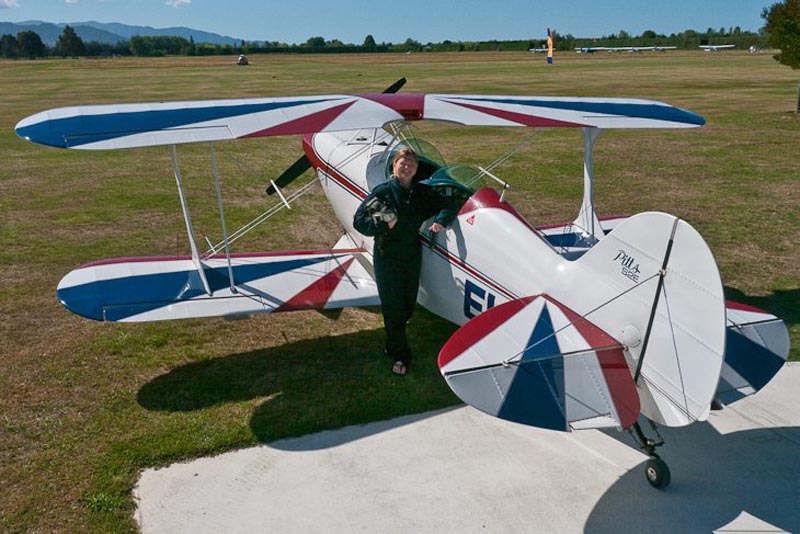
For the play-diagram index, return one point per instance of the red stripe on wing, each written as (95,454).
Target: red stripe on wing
(316,295)
(744,307)
(314,122)
(520,118)
(612,361)
(480,327)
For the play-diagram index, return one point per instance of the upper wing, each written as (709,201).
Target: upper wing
(139,125)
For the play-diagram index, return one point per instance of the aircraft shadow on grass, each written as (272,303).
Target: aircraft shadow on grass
(715,477)
(314,385)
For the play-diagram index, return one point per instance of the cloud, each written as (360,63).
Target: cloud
(176,3)
(5,4)
(70,1)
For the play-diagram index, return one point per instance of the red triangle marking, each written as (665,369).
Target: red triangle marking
(479,327)
(521,118)
(316,295)
(612,363)
(312,123)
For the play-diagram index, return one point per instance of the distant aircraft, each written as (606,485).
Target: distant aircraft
(590,49)
(646,48)
(615,49)
(716,48)
(538,50)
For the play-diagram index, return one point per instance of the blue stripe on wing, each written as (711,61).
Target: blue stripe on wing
(152,291)
(84,129)
(633,110)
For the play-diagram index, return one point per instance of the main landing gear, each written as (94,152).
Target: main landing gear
(655,469)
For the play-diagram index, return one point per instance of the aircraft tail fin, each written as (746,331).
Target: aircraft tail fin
(637,324)
(654,285)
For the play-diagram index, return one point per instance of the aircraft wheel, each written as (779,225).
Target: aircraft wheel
(657,472)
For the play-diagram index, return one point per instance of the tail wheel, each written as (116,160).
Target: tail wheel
(657,472)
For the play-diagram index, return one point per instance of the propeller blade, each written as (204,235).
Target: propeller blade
(289,175)
(395,86)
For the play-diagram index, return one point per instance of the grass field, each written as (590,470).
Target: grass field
(84,407)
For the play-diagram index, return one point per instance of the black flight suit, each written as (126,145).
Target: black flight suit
(397,253)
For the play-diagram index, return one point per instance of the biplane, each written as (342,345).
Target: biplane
(594,323)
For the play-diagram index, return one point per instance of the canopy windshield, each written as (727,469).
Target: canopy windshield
(430,159)
(468,179)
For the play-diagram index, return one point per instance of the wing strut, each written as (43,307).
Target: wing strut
(187,218)
(587,219)
(222,218)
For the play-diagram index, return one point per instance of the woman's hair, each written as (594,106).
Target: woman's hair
(404,153)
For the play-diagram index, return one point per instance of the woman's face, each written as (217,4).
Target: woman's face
(405,168)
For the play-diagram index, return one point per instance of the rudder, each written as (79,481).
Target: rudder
(654,285)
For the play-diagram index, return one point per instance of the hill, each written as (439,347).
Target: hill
(110,32)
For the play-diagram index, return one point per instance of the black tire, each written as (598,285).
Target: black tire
(657,473)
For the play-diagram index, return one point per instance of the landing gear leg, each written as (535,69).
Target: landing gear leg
(655,469)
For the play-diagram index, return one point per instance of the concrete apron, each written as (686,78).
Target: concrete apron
(460,471)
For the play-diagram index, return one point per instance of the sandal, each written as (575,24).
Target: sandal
(399,368)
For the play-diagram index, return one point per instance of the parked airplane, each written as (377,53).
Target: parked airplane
(585,324)
(716,48)
(592,49)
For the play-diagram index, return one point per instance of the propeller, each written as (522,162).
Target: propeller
(396,86)
(302,164)
(289,175)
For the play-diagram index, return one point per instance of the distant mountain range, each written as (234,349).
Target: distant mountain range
(109,32)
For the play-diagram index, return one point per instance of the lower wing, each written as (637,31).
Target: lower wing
(164,288)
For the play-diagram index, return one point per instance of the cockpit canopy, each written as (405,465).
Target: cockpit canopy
(430,160)
(463,177)
(458,182)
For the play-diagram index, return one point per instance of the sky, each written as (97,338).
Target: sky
(423,20)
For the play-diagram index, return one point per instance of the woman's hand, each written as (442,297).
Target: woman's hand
(436,227)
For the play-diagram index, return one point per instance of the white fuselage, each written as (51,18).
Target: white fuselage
(483,259)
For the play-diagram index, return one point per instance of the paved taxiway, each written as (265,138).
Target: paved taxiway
(462,471)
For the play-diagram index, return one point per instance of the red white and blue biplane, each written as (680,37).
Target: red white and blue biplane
(589,324)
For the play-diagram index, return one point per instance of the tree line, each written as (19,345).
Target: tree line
(28,44)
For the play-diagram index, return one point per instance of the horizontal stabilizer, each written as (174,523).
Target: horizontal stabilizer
(536,362)
(756,349)
(171,123)
(162,288)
